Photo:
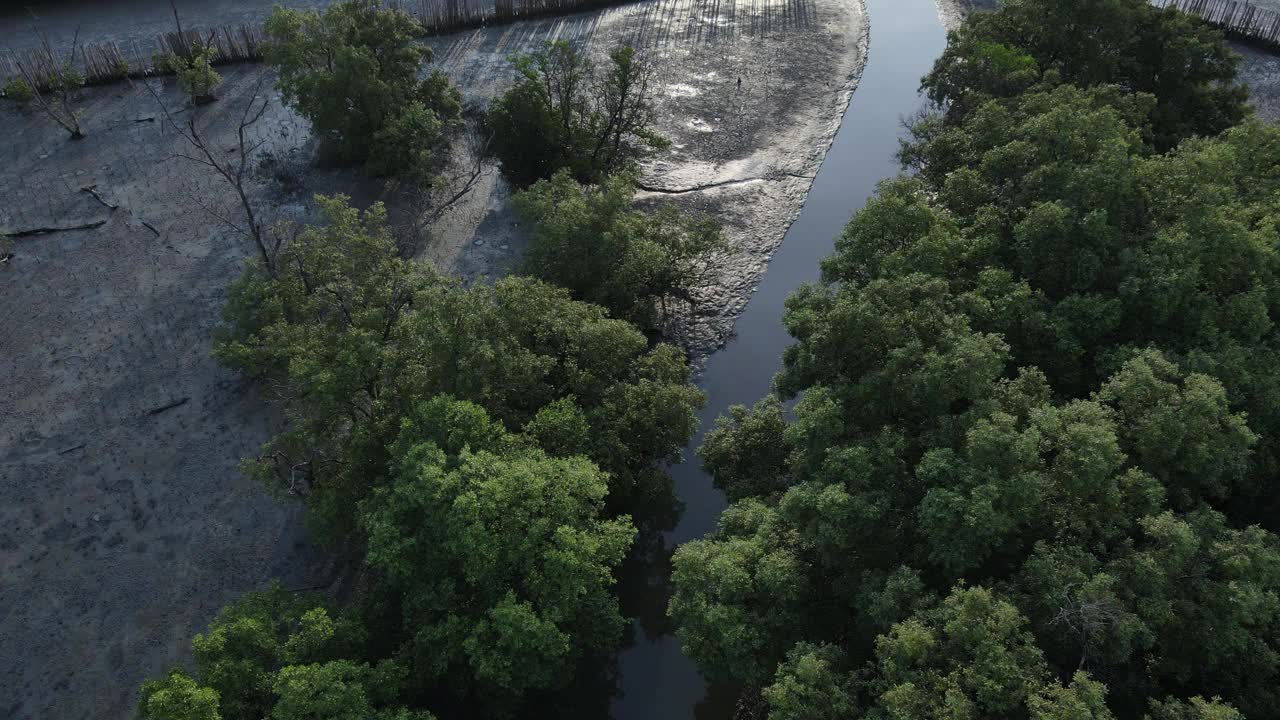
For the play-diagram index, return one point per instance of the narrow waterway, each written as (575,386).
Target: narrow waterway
(657,682)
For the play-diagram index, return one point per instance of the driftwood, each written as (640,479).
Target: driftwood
(93,190)
(309,588)
(169,406)
(48,230)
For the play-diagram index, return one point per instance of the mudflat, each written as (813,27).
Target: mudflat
(124,521)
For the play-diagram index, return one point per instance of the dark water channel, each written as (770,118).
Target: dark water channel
(657,682)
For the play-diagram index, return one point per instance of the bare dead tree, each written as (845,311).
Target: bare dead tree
(53,84)
(1087,620)
(477,149)
(176,20)
(454,187)
(624,102)
(233,170)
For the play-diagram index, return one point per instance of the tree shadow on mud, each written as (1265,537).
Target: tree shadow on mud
(667,22)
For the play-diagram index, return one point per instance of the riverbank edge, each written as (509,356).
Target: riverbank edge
(740,282)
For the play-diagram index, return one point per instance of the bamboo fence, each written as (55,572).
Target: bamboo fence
(110,62)
(1239,20)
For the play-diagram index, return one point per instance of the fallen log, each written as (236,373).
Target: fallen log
(93,190)
(48,230)
(169,406)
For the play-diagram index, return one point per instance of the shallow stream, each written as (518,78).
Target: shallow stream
(656,680)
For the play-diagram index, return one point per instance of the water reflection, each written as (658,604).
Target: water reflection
(657,681)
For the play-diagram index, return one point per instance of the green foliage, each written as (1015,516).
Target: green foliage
(480,444)
(52,90)
(1128,43)
(195,72)
(358,339)
(1083,699)
(561,116)
(18,91)
(808,686)
(737,598)
(352,70)
(64,78)
(119,69)
(746,452)
(405,142)
(250,640)
(1099,247)
(340,690)
(1040,370)
(590,240)
(973,657)
(1195,709)
(970,657)
(177,697)
(252,647)
(500,553)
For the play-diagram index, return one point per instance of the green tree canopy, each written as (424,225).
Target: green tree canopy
(632,262)
(1129,43)
(194,70)
(177,697)
(970,657)
(253,660)
(1078,246)
(352,70)
(1040,370)
(340,690)
(561,115)
(357,339)
(810,686)
(500,552)
(1195,709)
(746,452)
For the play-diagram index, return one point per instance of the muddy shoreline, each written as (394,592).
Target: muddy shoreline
(745,152)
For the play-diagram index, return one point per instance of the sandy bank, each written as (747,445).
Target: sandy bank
(745,151)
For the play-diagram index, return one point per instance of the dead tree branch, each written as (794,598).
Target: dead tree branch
(1086,620)
(59,80)
(233,171)
(462,183)
(48,230)
(478,148)
(93,190)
